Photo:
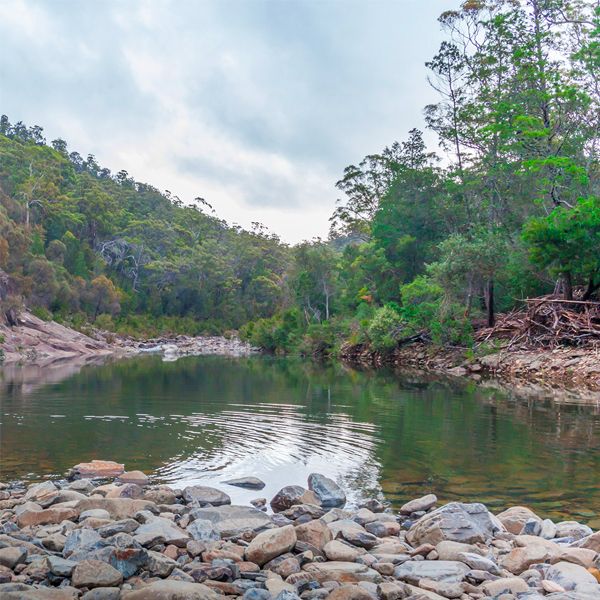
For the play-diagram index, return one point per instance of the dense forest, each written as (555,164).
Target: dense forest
(507,207)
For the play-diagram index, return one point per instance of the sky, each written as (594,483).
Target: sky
(255,105)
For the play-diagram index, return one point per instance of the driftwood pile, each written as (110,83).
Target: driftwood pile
(547,321)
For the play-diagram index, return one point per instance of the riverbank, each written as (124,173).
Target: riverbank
(561,366)
(34,341)
(43,343)
(120,536)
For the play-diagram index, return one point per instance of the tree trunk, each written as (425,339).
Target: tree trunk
(591,288)
(489,303)
(567,286)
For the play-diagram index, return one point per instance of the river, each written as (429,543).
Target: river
(379,434)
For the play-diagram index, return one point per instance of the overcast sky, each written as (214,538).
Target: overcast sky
(255,105)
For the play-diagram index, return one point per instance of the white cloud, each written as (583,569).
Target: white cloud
(255,105)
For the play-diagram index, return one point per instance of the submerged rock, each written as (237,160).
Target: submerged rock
(96,468)
(250,483)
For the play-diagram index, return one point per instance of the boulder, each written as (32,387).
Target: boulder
(232,521)
(342,572)
(203,530)
(270,544)
(249,483)
(515,518)
(118,508)
(159,565)
(48,516)
(328,491)
(448,571)
(11,557)
(572,529)
(203,495)
(337,550)
(291,495)
(447,550)
(520,559)
(95,573)
(44,493)
(457,522)
(314,532)
(164,529)
(572,577)
(419,504)
(96,468)
(81,539)
(136,477)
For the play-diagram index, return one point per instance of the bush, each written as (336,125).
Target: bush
(384,328)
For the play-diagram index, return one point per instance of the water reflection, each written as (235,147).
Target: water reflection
(208,419)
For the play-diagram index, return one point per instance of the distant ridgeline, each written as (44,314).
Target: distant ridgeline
(424,245)
(80,242)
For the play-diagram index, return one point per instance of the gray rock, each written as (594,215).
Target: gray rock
(80,539)
(165,529)
(532,527)
(103,593)
(11,557)
(204,495)
(457,522)
(548,530)
(60,566)
(572,529)
(250,483)
(203,530)
(160,565)
(232,521)
(447,571)
(328,491)
(122,526)
(476,561)
(257,594)
(95,513)
(572,577)
(291,495)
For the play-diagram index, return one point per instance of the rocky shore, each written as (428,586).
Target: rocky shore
(106,534)
(562,366)
(43,343)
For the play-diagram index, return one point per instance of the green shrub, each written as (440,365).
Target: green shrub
(384,328)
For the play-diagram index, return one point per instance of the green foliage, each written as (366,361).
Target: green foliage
(384,328)
(567,240)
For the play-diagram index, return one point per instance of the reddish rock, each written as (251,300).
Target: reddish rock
(48,516)
(97,468)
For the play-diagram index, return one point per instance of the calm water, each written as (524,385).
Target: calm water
(207,419)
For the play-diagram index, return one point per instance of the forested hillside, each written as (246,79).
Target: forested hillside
(83,244)
(506,207)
